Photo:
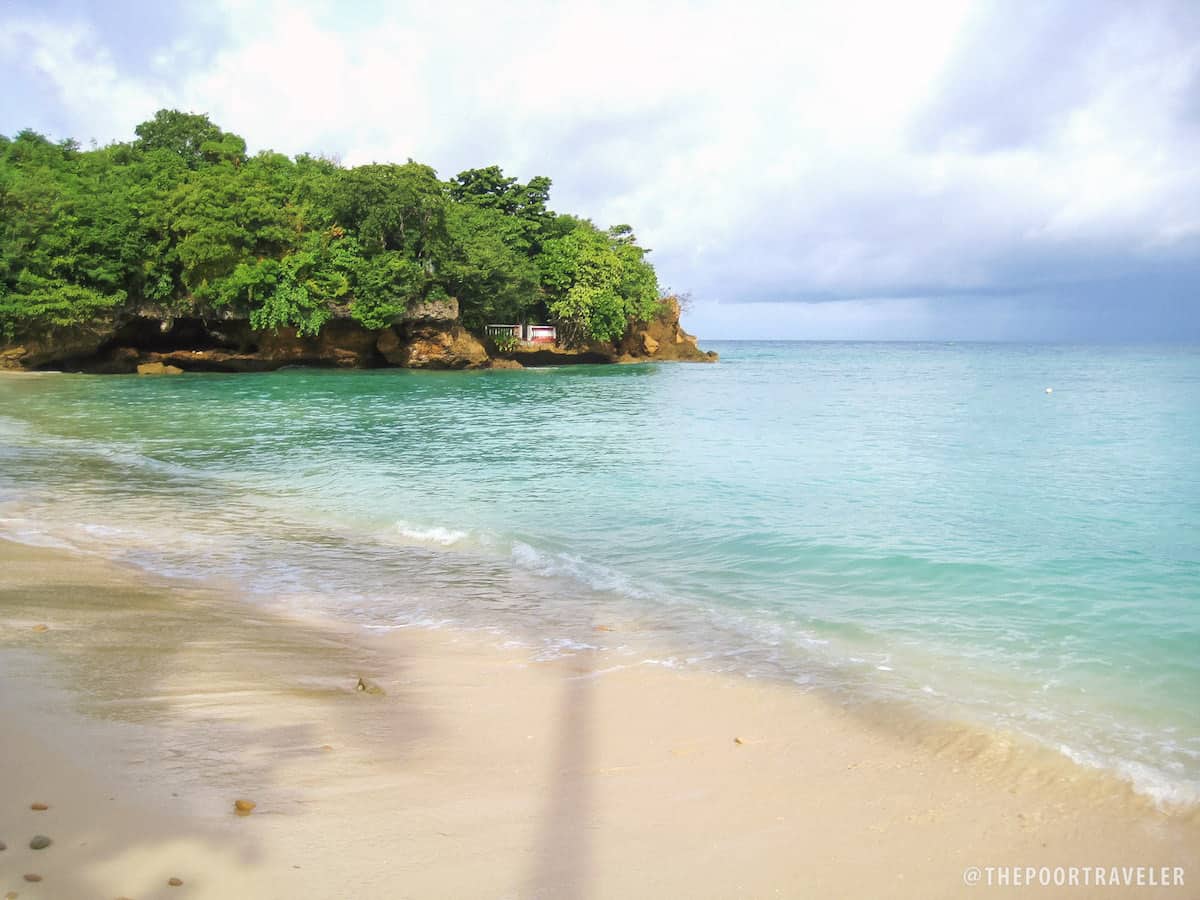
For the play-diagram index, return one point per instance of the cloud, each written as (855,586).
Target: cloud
(952,153)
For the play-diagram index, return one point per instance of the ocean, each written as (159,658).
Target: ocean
(917,524)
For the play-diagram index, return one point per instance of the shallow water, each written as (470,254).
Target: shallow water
(917,522)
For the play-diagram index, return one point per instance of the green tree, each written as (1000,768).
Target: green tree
(523,204)
(597,282)
(181,221)
(183,134)
(492,279)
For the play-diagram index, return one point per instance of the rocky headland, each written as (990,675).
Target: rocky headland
(430,336)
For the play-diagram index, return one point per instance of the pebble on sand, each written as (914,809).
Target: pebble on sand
(244,807)
(38,807)
(11,895)
(40,842)
(41,627)
(174,882)
(3,846)
(368,687)
(31,877)
(326,747)
(738,740)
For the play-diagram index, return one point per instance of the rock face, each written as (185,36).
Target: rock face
(56,344)
(429,336)
(157,368)
(505,364)
(662,338)
(444,310)
(435,347)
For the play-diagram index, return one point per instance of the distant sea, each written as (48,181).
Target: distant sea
(919,523)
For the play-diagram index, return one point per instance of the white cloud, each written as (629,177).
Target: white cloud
(94,94)
(767,151)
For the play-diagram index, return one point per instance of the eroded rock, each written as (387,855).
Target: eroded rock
(439,347)
(158,368)
(444,310)
(662,338)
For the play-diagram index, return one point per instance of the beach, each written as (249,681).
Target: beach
(466,767)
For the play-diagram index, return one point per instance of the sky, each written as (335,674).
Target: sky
(942,170)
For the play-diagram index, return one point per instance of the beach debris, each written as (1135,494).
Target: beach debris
(32,877)
(1049,390)
(244,807)
(40,842)
(38,807)
(602,628)
(175,882)
(367,687)
(41,628)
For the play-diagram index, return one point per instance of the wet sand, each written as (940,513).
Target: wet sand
(468,769)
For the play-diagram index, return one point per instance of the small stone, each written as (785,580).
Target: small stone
(738,740)
(31,877)
(326,747)
(40,842)
(11,895)
(175,882)
(38,807)
(3,846)
(244,807)
(367,687)
(40,628)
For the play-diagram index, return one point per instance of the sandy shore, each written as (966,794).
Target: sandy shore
(145,709)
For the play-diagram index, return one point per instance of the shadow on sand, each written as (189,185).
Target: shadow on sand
(181,697)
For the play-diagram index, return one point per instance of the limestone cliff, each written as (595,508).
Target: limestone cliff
(662,338)
(432,346)
(428,336)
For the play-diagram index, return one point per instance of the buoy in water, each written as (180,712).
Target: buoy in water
(1049,390)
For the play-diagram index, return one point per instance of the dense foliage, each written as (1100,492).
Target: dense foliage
(181,221)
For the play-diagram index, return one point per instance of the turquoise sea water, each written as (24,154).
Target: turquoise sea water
(917,522)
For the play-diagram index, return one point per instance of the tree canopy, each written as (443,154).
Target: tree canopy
(182,221)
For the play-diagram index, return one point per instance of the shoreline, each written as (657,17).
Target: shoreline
(475,770)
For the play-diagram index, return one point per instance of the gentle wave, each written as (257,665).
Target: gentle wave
(443,537)
(898,523)
(591,574)
(725,640)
